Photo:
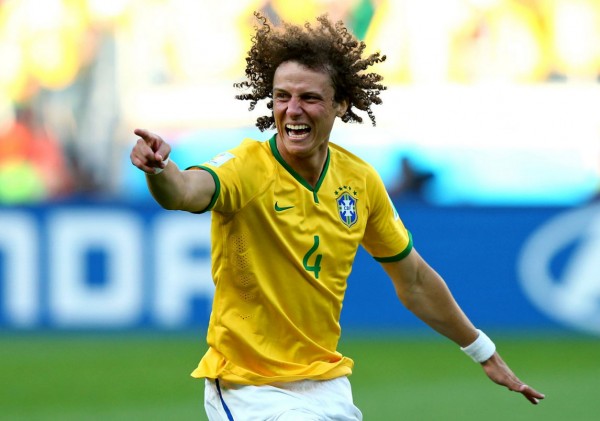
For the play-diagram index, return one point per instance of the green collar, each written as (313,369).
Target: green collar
(298,177)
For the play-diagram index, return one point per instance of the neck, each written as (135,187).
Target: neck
(309,169)
(310,166)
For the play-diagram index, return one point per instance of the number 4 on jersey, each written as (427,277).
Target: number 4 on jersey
(317,266)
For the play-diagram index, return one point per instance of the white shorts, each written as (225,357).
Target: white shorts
(305,400)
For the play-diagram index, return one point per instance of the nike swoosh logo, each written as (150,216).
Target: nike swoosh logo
(282,208)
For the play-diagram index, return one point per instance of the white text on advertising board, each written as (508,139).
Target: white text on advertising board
(153,270)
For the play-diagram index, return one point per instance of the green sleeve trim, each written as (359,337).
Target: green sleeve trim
(215,177)
(399,256)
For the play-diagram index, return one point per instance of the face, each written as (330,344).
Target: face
(304,111)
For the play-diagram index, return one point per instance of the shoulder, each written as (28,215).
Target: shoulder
(251,147)
(347,160)
(360,173)
(250,154)
(240,174)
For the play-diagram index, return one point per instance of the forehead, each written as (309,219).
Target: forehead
(293,76)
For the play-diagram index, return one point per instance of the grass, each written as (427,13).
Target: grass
(430,380)
(146,377)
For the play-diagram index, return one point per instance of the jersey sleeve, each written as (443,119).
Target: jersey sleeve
(385,238)
(239,175)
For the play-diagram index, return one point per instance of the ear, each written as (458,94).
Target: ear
(342,107)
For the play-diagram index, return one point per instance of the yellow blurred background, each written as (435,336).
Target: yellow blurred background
(77,75)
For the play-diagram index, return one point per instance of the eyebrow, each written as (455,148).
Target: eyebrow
(307,93)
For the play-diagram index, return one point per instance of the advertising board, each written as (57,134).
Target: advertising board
(119,266)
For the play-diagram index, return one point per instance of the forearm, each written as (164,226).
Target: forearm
(431,301)
(425,294)
(168,187)
(181,190)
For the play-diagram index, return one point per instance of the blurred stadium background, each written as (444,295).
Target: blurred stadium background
(488,141)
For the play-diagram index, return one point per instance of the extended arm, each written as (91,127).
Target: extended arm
(425,294)
(171,188)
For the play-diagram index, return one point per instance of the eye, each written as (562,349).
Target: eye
(311,98)
(281,96)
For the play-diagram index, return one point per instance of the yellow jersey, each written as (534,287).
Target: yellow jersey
(281,254)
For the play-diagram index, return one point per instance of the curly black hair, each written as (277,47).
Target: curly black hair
(330,47)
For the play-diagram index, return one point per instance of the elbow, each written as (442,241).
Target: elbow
(408,296)
(408,301)
(169,206)
(414,291)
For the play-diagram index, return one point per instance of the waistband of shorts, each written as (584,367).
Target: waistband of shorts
(295,386)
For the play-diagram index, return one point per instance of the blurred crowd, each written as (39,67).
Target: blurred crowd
(77,75)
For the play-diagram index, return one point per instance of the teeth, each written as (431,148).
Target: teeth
(297,126)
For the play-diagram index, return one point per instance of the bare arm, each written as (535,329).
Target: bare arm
(171,188)
(425,294)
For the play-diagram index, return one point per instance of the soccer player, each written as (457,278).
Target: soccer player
(288,215)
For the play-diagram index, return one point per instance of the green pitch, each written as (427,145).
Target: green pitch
(146,377)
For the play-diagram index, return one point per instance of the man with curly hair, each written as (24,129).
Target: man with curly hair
(288,215)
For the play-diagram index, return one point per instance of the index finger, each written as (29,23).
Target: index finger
(531,394)
(144,134)
(156,143)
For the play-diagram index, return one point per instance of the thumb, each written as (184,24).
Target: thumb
(161,157)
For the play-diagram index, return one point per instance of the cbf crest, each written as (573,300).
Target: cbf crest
(346,204)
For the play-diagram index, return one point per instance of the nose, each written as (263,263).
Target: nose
(294,107)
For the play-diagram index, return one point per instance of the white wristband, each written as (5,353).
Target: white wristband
(482,349)
(158,170)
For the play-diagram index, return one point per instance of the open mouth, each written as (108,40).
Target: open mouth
(297,130)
